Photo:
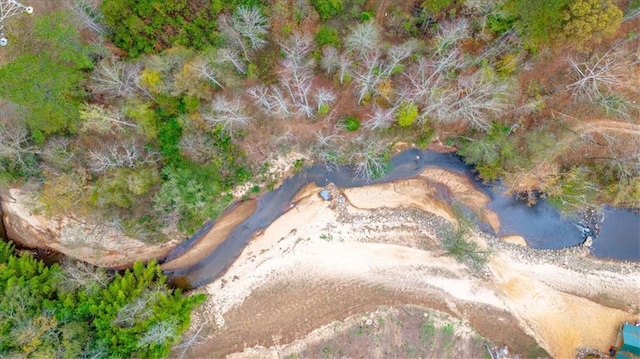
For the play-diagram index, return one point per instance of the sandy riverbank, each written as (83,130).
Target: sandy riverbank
(378,245)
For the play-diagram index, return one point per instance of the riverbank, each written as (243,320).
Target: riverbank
(323,261)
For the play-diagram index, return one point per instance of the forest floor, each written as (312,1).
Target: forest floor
(364,276)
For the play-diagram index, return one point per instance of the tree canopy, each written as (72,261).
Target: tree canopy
(76,310)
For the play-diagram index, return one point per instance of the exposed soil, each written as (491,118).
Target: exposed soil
(324,261)
(214,237)
(302,306)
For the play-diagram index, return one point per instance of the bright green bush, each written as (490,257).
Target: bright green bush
(407,114)
(351,123)
(327,36)
(327,8)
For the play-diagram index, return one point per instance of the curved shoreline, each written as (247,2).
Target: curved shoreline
(547,228)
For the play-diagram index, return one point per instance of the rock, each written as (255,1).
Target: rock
(588,242)
(514,239)
(326,195)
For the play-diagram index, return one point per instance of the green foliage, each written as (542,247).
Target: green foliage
(458,242)
(406,114)
(500,23)
(588,21)
(150,26)
(78,311)
(489,153)
(62,41)
(123,187)
(144,117)
(625,192)
(573,190)
(579,21)
(49,90)
(191,192)
(194,194)
(435,7)
(328,8)
(46,78)
(351,123)
(328,36)
(169,134)
(140,315)
(538,22)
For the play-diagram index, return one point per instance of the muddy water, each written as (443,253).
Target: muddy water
(541,225)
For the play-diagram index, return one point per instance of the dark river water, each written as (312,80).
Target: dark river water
(541,225)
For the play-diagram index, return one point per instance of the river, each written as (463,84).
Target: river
(541,225)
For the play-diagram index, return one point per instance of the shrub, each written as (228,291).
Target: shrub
(457,241)
(327,8)
(327,36)
(351,123)
(407,114)
(122,187)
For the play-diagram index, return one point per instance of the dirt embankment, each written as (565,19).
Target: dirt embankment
(323,261)
(83,239)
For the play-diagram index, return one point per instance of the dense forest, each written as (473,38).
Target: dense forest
(75,310)
(147,113)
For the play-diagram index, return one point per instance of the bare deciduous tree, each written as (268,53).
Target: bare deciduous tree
(204,70)
(398,53)
(234,58)
(449,34)
(196,147)
(329,59)
(78,274)
(380,118)
(14,142)
(159,333)
(596,78)
(251,24)
(324,97)
(192,339)
(117,79)
(479,98)
(139,308)
(245,29)
(364,38)
(296,73)
(369,157)
(230,114)
(117,155)
(88,14)
(260,95)
(102,120)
